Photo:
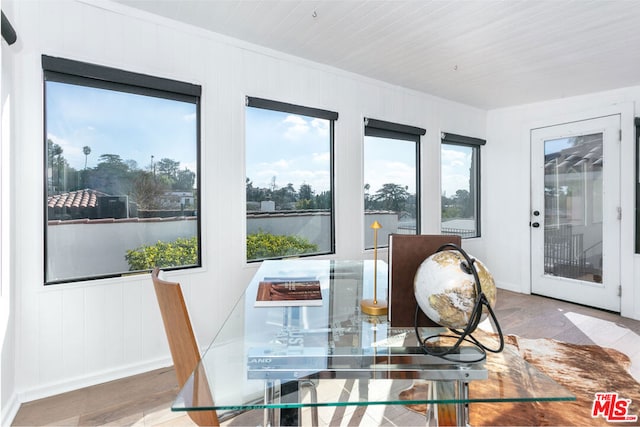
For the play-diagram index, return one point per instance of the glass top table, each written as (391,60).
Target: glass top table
(260,352)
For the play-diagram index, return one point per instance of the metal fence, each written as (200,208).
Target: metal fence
(462,232)
(563,252)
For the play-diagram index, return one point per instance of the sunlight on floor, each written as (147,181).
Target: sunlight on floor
(609,334)
(356,392)
(486,325)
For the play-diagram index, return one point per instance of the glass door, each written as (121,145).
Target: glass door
(575,227)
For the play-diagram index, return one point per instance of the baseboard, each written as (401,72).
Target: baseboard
(513,287)
(9,411)
(52,389)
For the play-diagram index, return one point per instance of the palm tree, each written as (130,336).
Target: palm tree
(86,150)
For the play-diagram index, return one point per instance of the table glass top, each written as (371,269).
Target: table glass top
(352,358)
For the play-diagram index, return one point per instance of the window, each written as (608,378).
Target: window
(289,180)
(121,172)
(460,185)
(391,180)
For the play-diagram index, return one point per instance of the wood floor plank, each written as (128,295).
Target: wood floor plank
(124,409)
(55,409)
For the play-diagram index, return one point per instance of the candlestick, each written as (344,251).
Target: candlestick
(374,307)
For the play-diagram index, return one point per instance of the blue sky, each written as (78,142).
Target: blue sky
(389,161)
(295,149)
(135,127)
(455,164)
(552,146)
(292,148)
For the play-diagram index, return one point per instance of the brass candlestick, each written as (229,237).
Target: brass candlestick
(374,307)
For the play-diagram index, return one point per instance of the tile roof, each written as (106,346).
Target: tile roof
(589,153)
(75,199)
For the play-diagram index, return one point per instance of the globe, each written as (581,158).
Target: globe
(446,293)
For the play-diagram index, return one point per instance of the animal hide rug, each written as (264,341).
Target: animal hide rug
(584,370)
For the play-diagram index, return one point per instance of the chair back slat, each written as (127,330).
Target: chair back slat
(183,345)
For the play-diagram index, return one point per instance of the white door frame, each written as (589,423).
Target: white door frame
(601,290)
(630,301)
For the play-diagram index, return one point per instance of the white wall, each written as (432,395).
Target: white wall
(8,402)
(506,185)
(72,335)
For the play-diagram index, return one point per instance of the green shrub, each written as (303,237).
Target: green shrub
(260,245)
(263,245)
(163,254)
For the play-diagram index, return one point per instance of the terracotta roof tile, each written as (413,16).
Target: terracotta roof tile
(75,199)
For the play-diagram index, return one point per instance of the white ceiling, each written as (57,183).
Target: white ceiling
(488,54)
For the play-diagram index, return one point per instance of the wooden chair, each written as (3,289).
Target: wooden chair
(186,355)
(183,345)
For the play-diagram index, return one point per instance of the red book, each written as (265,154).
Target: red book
(283,292)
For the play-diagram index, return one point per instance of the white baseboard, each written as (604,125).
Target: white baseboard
(511,287)
(51,389)
(9,411)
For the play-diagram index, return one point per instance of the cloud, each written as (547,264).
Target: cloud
(321,126)
(321,158)
(296,127)
(189,117)
(455,157)
(391,172)
(455,170)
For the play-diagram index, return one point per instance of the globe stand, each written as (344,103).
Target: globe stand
(374,307)
(468,266)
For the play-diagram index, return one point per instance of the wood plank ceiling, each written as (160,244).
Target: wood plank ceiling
(488,54)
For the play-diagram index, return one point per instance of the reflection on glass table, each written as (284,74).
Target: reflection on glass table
(261,355)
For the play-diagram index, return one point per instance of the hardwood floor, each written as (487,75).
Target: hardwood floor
(528,316)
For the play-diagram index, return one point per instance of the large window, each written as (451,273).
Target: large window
(289,180)
(460,181)
(121,172)
(391,180)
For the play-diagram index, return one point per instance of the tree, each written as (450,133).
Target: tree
(305,198)
(305,192)
(393,197)
(185,180)
(146,190)
(323,200)
(284,196)
(368,204)
(86,150)
(168,168)
(464,202)
(111,175)
(54,151)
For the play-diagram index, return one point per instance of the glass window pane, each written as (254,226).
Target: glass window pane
(390,179)
(573,230)
(459,199)
(121,180)
(288,184)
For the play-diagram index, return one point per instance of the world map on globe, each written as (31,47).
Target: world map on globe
(446,293)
